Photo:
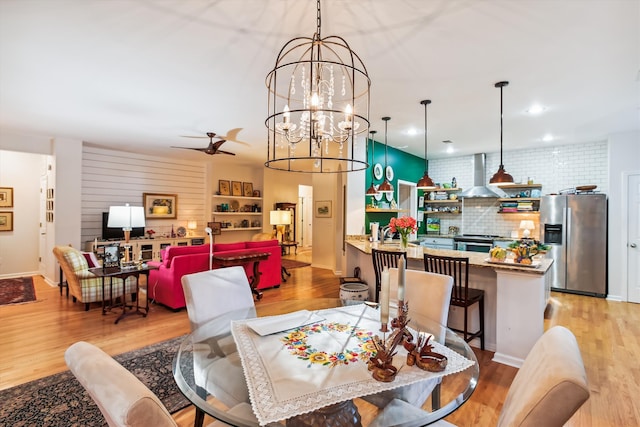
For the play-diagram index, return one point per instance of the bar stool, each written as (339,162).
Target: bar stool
(382,259)
(462,295)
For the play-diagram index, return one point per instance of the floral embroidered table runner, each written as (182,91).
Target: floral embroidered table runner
(308,367)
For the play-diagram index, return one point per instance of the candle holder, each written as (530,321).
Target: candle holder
(382,364)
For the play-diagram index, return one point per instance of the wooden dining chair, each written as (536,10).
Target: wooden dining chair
(462,295)
(382,259)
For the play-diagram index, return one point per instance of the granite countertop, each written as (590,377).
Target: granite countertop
(476,259)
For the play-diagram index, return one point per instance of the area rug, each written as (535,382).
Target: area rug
(288,264)
(17,290)
(60,400)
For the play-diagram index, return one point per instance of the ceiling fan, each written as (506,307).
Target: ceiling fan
(212,148)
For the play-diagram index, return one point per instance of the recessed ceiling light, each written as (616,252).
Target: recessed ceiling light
(412,131)
(536,109)
(547,138)
(449,149)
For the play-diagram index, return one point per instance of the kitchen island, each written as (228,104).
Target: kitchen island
(515,296)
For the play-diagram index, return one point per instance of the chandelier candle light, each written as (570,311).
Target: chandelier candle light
(318,102)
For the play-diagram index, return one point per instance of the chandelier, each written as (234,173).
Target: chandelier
(318,102)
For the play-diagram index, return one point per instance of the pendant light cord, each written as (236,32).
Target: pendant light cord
(386,121)
(426,162)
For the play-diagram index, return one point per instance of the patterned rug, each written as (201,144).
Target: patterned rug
(292,263)
(17,290)
(60,400)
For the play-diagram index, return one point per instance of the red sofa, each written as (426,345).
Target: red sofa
(165,286)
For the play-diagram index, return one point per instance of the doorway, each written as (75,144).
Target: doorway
(408,200)
(633,237)
(305,217)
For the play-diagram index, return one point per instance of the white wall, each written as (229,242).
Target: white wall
(114,178)
(19,248)
(624,157)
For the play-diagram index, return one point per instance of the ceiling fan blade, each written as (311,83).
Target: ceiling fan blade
(232,135)
(190,148)
(224,152)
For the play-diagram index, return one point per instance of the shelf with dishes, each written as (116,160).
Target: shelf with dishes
(236,213)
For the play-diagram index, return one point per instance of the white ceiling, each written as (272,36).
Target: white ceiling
(140,74)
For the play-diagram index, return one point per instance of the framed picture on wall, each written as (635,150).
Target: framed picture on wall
(160,206)
(6,197)
(6,221)
(247,188)
(236,188)
(323,209)
(224,188)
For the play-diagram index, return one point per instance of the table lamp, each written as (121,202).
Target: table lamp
(192,224)
(280,219)
(526,225)
(126,217)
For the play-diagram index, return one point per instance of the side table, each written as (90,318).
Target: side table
(288,246)
(120,273)
(242,259)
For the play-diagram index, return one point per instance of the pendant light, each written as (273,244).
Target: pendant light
(501,177)
(372,190)
(425,183)
(386,186)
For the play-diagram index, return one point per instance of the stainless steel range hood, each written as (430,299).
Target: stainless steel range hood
(480,189)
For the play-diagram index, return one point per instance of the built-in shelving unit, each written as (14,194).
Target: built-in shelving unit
(379,210)
(446,206)
(233,211)
(520,200)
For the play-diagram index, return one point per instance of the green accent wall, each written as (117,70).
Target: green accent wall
(406,167)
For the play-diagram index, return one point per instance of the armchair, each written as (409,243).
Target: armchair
(84,286)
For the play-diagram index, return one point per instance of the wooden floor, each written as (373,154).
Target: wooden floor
(34,336)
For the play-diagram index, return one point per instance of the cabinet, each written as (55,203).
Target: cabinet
(440,201)
(522,199)
(145,249)
(237,213)
(438,243)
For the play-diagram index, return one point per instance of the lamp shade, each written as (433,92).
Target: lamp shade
(280,217)
(126,217)
(527,225)
(192,224)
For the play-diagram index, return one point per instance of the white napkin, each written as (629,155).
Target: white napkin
(272,324)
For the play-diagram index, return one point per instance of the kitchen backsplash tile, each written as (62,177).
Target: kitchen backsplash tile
(555,168)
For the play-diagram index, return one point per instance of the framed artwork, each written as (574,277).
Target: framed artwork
(160,206)
(323,209)
(236,188)
(256,193)
(247,188)
(6,221)
(216,227)
(111,256)
(224,187)
(421,202)
(6,197)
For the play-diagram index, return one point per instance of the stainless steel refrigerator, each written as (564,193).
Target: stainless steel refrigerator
(575,227)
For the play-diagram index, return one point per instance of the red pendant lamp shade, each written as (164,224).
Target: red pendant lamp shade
(501,177)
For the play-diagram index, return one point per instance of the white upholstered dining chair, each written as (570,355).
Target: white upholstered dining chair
(428,296)
(548,389)
(122,398)
(211,294)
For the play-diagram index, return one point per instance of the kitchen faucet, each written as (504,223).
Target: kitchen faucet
(384,231)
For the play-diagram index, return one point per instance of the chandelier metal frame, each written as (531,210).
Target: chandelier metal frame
(319,101)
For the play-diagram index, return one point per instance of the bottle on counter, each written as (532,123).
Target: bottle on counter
(454,183)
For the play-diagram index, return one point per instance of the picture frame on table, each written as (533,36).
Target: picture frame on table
(160,206)
(111,257)
(6,221)
(224,187)
(323,209)
(247,188)
(236,188)
(6,197)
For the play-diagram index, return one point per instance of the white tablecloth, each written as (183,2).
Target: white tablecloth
(301,370)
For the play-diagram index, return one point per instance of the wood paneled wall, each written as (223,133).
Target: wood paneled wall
(117,177)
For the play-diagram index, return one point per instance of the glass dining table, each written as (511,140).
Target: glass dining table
(286,377)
